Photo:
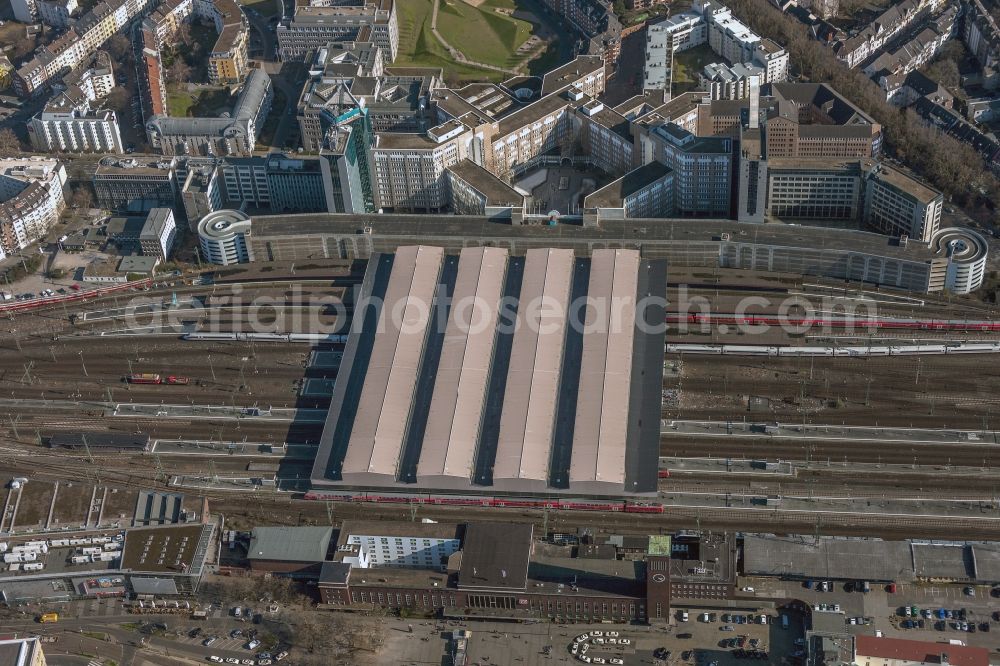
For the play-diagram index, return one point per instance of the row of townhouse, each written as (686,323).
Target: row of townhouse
(918,50)
(76,45)
(855,50)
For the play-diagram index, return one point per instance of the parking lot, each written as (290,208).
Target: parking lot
(694,643)
(887,614)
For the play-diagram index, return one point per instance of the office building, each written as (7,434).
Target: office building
(222,238)
(135,185)
(67,124)
(702,170)
(811,189)
(316,24)
(476,191)
(300,185)
(235,135)
(409,169)
(156,239)
(646,192)
(31,199)
(899,205)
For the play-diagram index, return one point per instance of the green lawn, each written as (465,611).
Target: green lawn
(479,32)
(204,103)
(687,65)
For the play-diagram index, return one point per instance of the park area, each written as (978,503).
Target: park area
(499,33)
(202,101)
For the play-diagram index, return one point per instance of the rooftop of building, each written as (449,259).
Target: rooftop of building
(905,183)
(231,36)
(290,544)
(817,164)
(170,549)
(579,67)
(116,166)
(139,264)
(426,228)
(403,141)
(495,556)
(495,190)
(20,651)
(614,193)
(906,651)
(392,528)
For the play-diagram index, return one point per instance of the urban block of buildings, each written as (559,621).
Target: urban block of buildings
(69,124)
(76,46)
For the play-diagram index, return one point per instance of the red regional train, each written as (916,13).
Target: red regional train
(494,502)
(856,322)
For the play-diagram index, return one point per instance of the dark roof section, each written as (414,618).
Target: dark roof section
(495,556)
(290,544)
(99,440)
(335,573)
(614,193)
(497,192)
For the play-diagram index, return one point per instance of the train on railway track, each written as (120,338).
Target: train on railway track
(268,337)
(569,504)
(893,323)
(844,350)
(153,378)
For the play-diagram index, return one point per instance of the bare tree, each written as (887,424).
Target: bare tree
(118,47)
(179,72)
(9,145)
(82,197)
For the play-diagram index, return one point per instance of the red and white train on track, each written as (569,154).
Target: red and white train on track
(834,322)
(575,504)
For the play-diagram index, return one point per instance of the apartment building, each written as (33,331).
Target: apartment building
(709,23)
(982,37)
(235,135)
(75,46)
(56,13)
(596,23)
(316,24)
(917,51)
(899,205)
(739,81)
(68,124)
(168,16)
(31,199)
(854,50)
(152,82)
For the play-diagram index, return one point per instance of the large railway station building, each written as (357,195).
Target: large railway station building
(487,373)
